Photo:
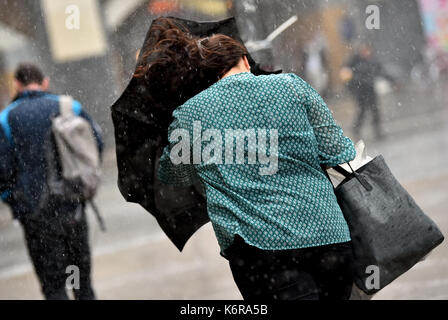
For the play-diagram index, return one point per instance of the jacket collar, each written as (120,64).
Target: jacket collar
(29,94)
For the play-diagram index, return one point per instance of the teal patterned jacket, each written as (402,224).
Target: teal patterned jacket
(257,144)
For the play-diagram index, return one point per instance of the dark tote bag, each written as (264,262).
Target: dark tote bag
(389,232)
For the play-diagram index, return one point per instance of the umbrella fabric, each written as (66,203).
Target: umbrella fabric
(141,119)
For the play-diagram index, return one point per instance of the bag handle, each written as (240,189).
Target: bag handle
(346,174)
(358,176)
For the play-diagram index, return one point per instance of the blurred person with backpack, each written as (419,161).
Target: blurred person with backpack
(49,171)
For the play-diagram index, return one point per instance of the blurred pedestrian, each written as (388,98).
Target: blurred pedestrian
(56,234)
(361,73)
(282,230)
(316,64)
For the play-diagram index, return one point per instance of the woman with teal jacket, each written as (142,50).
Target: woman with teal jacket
(258,145)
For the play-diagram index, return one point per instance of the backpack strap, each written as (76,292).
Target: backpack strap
(97,215)
(66,106)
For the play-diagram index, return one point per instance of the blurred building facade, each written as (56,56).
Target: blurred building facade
(36,31)
(29,32)
(398,43)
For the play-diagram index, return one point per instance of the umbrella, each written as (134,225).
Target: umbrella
(141,121)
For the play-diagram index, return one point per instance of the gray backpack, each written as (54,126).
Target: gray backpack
(77,152)
(72,160)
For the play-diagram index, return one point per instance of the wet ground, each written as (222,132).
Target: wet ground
(135,260)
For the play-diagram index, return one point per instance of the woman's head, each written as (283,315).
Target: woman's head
(220,53)
(174,55)
(174,66)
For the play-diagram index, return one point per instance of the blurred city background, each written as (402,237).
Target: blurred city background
(134,259)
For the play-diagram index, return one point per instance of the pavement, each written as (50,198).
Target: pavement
(135,260)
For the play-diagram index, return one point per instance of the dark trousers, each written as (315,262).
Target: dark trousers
(55,240)
(367,103)
(315,273)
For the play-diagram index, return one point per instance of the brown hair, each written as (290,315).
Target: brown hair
(220,53)
(174,66)
(174,55)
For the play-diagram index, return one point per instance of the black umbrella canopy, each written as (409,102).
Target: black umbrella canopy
(141,123)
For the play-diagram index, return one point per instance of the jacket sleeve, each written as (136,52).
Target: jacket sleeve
(7,172)
(170,171)
(6,163)
(333,147)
